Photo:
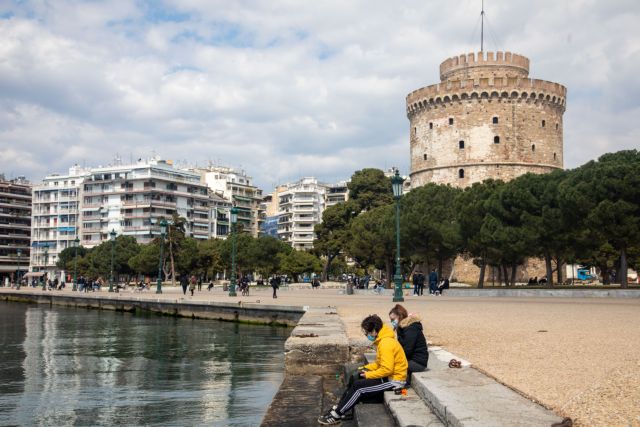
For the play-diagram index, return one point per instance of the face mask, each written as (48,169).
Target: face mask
(371,338)
(394,323)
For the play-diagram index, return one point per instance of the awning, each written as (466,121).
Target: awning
(35,274)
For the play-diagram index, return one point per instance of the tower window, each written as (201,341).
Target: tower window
(556,126)
(430,125)
(495,120)
(543,123)
(415,131)
(496,140)
(461,144)
(533,147)
(424,156)
(554,156)
(460,173)
(450,121)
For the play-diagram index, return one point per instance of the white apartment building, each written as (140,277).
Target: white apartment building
(300,207)
(237,187)
(336,193)
(131,199)
(128,199)
(54,217)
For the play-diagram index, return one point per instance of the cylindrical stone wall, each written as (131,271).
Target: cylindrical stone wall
(486,119)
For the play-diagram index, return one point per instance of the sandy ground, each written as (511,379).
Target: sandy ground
(579,357)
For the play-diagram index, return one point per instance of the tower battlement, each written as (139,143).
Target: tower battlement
(461,65)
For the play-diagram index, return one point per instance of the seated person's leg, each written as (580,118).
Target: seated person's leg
(362,389)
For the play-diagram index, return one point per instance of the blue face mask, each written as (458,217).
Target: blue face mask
(371,338)
(394,323)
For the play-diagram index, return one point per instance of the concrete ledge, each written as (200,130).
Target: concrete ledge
(318,345)
(237,312)
(556,293)
(466,397)
(410,410)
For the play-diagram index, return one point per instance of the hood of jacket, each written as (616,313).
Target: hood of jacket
(411,319)
(385,332)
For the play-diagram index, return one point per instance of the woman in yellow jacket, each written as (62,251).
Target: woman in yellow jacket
(386,373)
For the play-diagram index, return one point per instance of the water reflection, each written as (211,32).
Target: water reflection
(61,366)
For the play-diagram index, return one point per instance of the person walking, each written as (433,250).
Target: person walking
(275,284)
(410,336)
(433,282)
(192,284)
(199,284)
(416,283)
(386,373)
(184,282)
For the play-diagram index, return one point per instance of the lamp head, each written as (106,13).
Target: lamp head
(163,227)
(234,215)
(396,183)
(113,234)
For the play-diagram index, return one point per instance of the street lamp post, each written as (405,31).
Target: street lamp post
(46,261)
(112,236)
(76,243)
(163,232)
(396,183)
(19,251)
(232,285)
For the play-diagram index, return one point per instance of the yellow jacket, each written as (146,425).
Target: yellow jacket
(390,359)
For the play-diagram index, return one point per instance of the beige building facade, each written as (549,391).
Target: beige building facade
(485,119)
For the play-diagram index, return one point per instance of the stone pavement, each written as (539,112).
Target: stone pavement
(577,356)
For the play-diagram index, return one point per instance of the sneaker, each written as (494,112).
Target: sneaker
(330,419)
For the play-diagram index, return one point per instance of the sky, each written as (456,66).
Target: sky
(286,89)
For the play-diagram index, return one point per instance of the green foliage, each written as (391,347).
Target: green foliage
(372,241)
(146,261)
(67,256)
(296,263)
(369,189)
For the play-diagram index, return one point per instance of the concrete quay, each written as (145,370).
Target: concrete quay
(226,311)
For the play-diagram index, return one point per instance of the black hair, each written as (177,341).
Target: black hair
(372,323)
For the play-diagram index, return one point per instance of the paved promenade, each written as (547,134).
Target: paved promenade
(578,356)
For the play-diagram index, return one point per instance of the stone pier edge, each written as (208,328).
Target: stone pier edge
(240,312)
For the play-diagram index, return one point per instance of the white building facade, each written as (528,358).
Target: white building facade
(300,207)
(237,187)
(128,199)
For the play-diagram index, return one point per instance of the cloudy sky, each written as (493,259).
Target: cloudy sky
(285,89)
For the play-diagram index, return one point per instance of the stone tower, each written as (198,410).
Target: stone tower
(485,119)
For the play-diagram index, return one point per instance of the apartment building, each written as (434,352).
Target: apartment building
(237,187)
(15,227)
(128,199)
(336,193)
(300,206)
(55,217)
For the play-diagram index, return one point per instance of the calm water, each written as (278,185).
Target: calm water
(64,366)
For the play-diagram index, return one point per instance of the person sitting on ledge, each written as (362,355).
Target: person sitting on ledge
(444,285)
(389,371)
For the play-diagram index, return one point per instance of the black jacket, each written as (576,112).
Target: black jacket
(412,339)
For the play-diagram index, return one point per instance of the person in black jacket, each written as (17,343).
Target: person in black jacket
(409,332)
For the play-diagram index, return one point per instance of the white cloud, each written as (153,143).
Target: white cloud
(285,88)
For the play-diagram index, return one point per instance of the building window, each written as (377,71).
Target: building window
(554,156)
(533,147)
(495,120)
(450,121)
(424,156)
(415,131)
(430,125)
(496,140)
(461,145)
(543,123)
(460,173)
(556,126)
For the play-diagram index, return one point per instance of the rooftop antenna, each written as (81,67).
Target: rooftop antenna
(482,28)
